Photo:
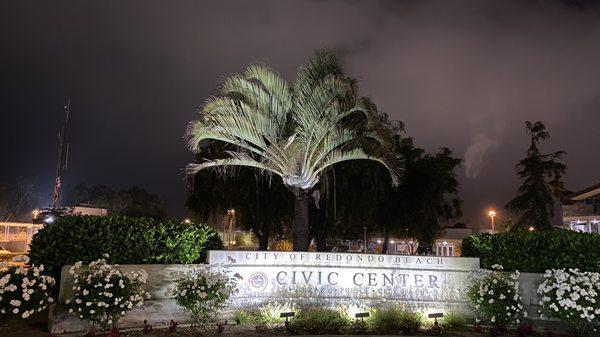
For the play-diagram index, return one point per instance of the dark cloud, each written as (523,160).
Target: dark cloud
(463,74)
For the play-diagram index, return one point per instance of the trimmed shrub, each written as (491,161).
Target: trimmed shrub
(535,252)
(127,241)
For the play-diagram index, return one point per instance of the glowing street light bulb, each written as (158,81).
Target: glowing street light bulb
(492,215)
(531,228)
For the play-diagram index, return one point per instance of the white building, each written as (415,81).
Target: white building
(581,210)
(448,244)
(16,236)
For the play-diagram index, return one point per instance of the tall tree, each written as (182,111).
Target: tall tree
(262,204)
(295,133)
(418,208)
(542,181)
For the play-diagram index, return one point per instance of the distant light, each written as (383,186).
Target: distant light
(187,221)
(531,228)
(445,242)
(378,241)
(391,241)
(49,219)
(492,213)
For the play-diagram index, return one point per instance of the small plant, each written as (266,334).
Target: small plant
(103,294)
(23,292)
(495,296)
(454,320)
(245,238)
(204,291)
(319,321)
(147,327)
(283,246)
(395,319)
(269,314)
(173,326)
(242,317)
(573,297)
(221,327)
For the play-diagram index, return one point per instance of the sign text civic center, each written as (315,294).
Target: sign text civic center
(348,278)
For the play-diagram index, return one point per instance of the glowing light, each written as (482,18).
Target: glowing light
(187,221)
(531,228)
(391,241)
(378,241)
(491,213)
(49,219)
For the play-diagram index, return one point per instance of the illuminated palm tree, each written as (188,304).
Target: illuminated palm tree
(296,133)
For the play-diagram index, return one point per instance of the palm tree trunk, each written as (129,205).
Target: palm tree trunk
(386,239)
(301,239)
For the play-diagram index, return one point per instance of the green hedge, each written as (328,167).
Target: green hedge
(127,240)
(535,252)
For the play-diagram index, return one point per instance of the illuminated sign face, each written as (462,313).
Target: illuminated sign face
(348,278)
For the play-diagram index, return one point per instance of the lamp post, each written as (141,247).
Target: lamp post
(231,214)
(364,239)
(492,215)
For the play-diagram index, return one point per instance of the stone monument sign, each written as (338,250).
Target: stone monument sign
(434,282)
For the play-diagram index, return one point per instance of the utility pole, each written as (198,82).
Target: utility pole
(63,155)
(365,239)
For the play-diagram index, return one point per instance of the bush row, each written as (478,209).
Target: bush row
(318,320)
(126,240)
(535,252)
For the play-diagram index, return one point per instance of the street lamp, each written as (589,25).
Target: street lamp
(364,239)
(231,214)
(492,215)
(531,228)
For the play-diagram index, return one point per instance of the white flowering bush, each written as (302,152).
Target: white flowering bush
(203,292)
(102,293)
(23,292)
(572,296)
(495,296)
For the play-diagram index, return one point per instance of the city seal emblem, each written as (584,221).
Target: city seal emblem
(257,281)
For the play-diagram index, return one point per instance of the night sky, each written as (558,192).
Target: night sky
(462,74)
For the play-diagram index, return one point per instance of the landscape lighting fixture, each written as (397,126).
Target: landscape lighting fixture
(287,316)
(361,315)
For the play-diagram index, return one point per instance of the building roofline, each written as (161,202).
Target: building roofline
(584,193)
